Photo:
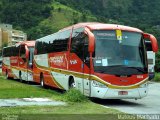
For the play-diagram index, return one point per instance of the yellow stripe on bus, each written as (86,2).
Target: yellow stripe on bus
(91,77)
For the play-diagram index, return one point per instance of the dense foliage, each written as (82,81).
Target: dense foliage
(24,14)
(143,14)
(27,14)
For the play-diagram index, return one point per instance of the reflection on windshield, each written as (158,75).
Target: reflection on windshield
(127,52)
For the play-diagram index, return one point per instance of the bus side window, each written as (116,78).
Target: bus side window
(4,52)
(60,42)
(39,48)
(79,46)
(22,53)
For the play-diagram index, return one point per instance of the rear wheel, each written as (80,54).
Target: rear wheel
(42,81)
(7,76)
(20,77)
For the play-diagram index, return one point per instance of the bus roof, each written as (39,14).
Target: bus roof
(96,26)
(103,26)
(28,43)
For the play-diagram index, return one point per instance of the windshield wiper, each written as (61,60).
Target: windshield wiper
(117,66)
(136,68)
(100,71)
(109,68)
(139,69)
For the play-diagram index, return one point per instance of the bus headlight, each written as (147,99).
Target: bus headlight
(98,84)
(144,85)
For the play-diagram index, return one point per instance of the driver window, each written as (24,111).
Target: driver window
(79,45)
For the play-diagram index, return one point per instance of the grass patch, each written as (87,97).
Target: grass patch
(74,108)
(74,95)
(157,77)
(15,89)
(78,111)
(77,107)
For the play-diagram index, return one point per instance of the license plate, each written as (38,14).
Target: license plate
(123,93)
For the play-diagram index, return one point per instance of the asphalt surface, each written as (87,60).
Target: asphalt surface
(146,105)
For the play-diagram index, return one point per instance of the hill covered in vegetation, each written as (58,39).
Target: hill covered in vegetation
(143,14)
(42,17)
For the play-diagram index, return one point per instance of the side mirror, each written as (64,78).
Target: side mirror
(91,45)
(153,41)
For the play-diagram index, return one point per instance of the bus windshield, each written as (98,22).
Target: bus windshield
(119,56)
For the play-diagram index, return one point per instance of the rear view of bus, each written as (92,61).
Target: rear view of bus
(17,61)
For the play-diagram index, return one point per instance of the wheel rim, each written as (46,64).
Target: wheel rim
(7,75)
(20,77)
(73,85)
(42,83)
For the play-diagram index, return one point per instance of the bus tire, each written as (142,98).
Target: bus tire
(42,81)
(72,83)
(7,76)
(20,77)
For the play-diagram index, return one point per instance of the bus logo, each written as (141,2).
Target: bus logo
(124,80)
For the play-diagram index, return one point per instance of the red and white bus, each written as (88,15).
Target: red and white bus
(101,60)
(17,61)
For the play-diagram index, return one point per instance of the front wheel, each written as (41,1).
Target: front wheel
(20,77)
(72,83)
(42,82)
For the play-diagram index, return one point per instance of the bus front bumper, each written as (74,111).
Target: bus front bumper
(109,93)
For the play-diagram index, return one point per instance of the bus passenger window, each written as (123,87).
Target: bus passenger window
(22,53)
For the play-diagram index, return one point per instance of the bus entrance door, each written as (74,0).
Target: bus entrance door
(30,64)
(22,64)
(86,67)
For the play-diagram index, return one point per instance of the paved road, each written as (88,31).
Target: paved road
(147,105)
